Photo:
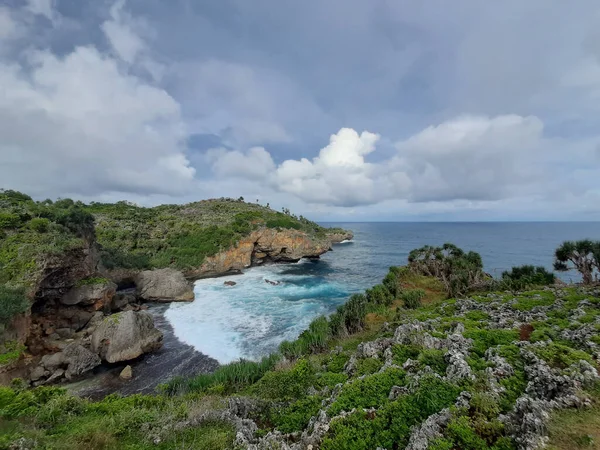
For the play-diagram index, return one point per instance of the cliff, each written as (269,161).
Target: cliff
(267,245)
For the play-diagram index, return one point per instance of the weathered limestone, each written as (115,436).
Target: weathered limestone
(164,285)
(125,336)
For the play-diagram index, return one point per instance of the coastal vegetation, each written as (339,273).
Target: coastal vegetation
(182,236)
(439,355)
(408,363)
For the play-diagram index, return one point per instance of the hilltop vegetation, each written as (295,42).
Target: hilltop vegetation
(30,233)
(401,366)
(182,236)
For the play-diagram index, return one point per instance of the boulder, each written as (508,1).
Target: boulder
(164,285)
(126,373)
(229,283)
(54,361)
(79,360)
(99,294)
(125,336)
(37,373)
(121,300)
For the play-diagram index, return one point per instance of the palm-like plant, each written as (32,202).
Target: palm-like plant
(584,256)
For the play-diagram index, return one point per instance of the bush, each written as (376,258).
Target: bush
(230,376)
(13,301)
(39,224)
(9,220)
(286,384)
(584,256)
(527,276)
(412,298)
(379,295)
(458,271)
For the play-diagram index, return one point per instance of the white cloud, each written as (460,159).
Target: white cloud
(472,157)
(82,123)
(256,163)
(43,8)
(8,27)
(468,158)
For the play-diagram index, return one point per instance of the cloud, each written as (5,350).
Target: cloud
(468,158)
(43,8)
(83,123)
(256,163)
(473,158)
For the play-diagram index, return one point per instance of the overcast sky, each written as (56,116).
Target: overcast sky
(337,109)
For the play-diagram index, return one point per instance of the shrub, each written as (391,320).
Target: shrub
(379,295)
(296,416)
(9,220)
(526,276)
(370,391)
(458,271)
(39,224)
(234,375)
(13,301)
(412,298)
(286,384)
(584,256)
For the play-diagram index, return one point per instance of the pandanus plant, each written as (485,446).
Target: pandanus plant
(584,256)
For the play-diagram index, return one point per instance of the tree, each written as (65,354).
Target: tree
(584,256)
(459,271)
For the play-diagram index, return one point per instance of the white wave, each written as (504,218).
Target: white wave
(250,319)
(346,241)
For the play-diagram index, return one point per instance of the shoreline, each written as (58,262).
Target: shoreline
(174,358)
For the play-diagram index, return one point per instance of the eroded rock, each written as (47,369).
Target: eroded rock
(164,285)
(125,336)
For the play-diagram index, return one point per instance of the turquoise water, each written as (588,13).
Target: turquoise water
(250,319)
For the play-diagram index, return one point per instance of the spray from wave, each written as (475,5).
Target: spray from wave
(251,318)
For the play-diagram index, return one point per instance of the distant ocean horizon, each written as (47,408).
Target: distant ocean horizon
(252,318)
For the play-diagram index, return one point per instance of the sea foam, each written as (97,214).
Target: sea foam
(250,319)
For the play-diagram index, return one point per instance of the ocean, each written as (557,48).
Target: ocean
(249,320)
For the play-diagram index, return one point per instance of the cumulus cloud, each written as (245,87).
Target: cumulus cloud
(472,158)
(83,123)
(256,163)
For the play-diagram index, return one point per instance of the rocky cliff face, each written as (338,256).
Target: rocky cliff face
(267,245)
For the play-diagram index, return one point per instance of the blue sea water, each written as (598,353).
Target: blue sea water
(250,319)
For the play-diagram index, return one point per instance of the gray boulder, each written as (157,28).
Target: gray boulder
(164,285)
(79,360)
(100,294)
(53,361)
(125,336)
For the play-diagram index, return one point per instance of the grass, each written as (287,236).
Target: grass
(576,429)
(11,351)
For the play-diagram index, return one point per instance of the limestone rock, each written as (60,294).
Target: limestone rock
(97,294)
(126,373)
(37,373)
(265,244)
(125,336)
(164,285)
(53,362)
(121,300)
(79,360)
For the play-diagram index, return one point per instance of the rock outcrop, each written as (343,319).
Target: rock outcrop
(164,285)
(266,245)
(99,294)
(125,336)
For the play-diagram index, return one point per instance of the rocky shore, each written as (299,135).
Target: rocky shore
(86,320)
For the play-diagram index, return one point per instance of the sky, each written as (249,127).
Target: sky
(340,110)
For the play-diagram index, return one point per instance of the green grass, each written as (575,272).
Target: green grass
(10,352)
